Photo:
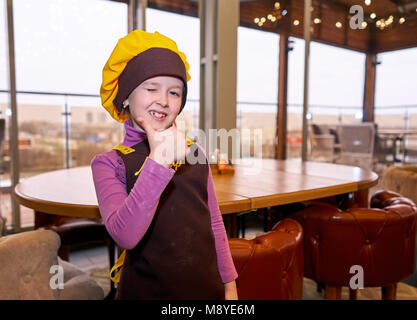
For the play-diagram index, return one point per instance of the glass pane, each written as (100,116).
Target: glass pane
(335,88)
(336,84)
(93,130)
(257,85)
(295,97)
(3,48)
(185,31)
(61,47)
(395,98)
(41,134)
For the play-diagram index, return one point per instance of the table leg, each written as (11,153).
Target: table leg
(230,225)
(360,198)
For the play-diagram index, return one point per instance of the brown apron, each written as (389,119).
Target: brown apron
(176,259)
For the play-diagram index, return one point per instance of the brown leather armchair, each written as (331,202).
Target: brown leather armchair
(270,267)
(381,240)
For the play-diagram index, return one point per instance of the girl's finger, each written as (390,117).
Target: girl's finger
(146,125)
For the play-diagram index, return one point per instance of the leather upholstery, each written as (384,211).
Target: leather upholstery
(381,240)
(270,266)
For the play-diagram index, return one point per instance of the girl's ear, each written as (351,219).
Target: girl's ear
(125,110)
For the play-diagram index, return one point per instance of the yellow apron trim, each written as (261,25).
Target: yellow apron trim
(137,172)
(120,261)
(124,149)
(118,264)
(178,164)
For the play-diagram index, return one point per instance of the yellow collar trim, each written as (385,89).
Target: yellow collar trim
(124,149)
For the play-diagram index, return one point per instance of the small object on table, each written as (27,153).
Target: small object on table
(222,167)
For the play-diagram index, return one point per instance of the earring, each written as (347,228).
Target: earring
(125,105)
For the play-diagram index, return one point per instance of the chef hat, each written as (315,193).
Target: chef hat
(139,56)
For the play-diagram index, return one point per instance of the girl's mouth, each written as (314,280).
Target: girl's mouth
(158,116)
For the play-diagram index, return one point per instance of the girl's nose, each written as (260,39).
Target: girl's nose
(163,99)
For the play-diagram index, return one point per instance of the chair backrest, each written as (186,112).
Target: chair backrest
(271,266)
(357,138)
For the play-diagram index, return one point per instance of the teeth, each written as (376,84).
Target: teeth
(158,115)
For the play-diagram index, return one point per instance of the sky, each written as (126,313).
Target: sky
(61,48)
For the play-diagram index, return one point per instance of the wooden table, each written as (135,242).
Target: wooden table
(70,192)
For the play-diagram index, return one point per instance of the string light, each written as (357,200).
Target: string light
(278,13)
(275,15)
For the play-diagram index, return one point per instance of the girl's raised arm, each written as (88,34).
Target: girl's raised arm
(127,217)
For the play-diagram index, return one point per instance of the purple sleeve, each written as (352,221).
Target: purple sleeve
(224,257)
(127,217)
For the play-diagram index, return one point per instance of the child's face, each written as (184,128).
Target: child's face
(157,99)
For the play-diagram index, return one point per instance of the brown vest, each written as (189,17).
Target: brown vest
(176,259)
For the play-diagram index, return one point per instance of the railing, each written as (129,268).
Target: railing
(338,114)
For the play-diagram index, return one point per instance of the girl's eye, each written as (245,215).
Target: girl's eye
(150,89)
(175,93)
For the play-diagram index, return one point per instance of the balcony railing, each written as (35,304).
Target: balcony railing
(72,140)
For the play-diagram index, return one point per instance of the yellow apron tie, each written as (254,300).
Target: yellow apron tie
(121,260)
(118,264)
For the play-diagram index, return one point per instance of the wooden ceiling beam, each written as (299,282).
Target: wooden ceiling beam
(369,40)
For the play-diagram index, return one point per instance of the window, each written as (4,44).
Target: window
(185,31)
(257,85)
(395,89)
(395,94)
(61,47)
(336,82)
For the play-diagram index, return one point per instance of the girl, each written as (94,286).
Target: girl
(163,211)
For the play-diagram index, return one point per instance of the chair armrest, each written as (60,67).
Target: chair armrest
(26,259)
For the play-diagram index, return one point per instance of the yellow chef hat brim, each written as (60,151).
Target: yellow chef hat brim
(127,48)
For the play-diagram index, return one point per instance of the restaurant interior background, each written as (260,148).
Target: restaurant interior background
(61,46)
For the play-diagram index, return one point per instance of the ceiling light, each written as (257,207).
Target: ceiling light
(373,15)
(338,24)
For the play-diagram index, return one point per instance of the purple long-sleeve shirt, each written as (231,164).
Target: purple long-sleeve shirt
(127,217)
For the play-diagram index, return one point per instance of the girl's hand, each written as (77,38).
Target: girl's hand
(167,146)
(230,291)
